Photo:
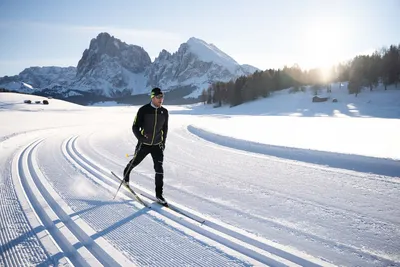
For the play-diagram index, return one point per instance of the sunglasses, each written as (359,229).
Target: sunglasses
(159,96)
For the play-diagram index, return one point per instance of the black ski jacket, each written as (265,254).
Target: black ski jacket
(151,125)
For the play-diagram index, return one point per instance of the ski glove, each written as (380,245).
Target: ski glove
(162,146)
(143,138)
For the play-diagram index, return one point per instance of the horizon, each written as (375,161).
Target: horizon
(48,33)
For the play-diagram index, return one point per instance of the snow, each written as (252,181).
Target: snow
(211,53)
(279,181)
(27,85)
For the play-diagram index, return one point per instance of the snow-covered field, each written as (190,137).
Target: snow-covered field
(281,181)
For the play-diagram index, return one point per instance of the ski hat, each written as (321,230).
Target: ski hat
(155,92)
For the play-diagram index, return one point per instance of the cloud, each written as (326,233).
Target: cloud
(126,33)
(152,40)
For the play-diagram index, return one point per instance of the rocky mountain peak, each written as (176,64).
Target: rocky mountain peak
(108,48)
(164,55)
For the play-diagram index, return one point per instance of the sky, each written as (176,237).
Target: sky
(262,33)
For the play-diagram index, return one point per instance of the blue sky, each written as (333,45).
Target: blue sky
(263,33)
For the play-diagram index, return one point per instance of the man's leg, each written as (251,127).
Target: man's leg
(141,152)
(158,158)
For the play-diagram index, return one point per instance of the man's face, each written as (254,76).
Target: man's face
(158,100)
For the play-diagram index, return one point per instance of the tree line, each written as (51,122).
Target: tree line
(382,66)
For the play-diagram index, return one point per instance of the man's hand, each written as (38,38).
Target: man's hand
(143,138)
(162,146)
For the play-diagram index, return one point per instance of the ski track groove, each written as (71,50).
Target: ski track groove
(22,234)
(80,249)
(281,254)
(99,170)
(97,247)
(87,166)
(57,230)
(9,219)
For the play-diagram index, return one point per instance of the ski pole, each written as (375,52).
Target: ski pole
(118,189)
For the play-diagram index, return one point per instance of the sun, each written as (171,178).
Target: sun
(322,44)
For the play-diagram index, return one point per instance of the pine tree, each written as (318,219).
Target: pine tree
(204,96)
(391,66)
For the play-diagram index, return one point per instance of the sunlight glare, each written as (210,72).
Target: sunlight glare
(322,43)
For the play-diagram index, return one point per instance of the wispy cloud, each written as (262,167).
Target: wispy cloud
(152,40)
(128,35)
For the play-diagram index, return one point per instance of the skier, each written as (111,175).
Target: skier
(150,128)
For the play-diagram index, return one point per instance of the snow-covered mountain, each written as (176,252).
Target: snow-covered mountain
(40,78)
(195,63)
(112,68)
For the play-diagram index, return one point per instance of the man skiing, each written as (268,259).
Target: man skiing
(150,128)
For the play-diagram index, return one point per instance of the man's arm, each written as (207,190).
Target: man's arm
(165,127)
(137,124)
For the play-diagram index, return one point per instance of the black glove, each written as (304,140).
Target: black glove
(162,146)
(143,138)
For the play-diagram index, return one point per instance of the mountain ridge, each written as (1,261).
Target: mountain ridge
(112,68)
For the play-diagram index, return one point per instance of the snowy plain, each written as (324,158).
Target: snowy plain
(279,181)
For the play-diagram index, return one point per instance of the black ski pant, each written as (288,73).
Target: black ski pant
(157,153)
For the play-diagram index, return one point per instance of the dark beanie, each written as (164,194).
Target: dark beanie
(156,91)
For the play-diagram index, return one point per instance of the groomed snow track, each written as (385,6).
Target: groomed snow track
(235,240)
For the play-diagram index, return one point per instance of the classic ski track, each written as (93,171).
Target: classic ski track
(28,230)
(299,232)
(243,239)
(57,238)
(104,252)
(72,240)
(173,220)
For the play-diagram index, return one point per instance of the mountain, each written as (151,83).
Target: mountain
(249,68)
(113,69)
(35,79)
(111,66)
(196,63)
